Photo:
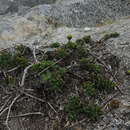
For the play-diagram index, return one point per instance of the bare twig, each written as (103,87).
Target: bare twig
(8,114)
(4,110)
(34,54)
(1,109)
(52,107)
(15,68)
(9,71)
(24,75)
(34,97)
(24,115)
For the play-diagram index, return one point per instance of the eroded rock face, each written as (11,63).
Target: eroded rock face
(74,13)
(32,3)
(79,13)
(13,6)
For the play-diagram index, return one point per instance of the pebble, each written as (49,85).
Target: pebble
(87,29)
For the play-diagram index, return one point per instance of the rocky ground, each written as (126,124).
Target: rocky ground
(52,23)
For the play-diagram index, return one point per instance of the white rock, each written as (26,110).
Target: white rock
(87,29)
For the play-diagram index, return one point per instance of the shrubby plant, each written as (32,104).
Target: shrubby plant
(38,67)
(55,45)
(111,35)
(6,60)
(55,78)
(87,65)
(93,111)
(69,37)
(73,108)
(103,84)
(89,89)
(87,39)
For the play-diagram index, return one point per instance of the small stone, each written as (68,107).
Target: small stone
(87,29)
(61,108)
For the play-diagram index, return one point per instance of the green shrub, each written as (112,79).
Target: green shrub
(84,62)
(61,52)
(62,71)
(69,37)
(80,42)
(22,50)
(6,60)
(93,111)
(87,39)
(71,45)
(73,108)
(103,84)
(21,61)
(81,51)
(92,68)
(54,80)
(89,89)
(55,45)
(111,35)
(41,66)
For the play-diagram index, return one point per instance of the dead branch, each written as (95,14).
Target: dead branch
(34,54)
(4,110)
(52,107)
(24,75)
(8,114)
(1,109)
(15,68)
(24,115)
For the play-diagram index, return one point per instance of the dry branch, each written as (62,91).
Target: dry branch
(8,114)
(24,115)
(34,54)
(24,75)
(1,109)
